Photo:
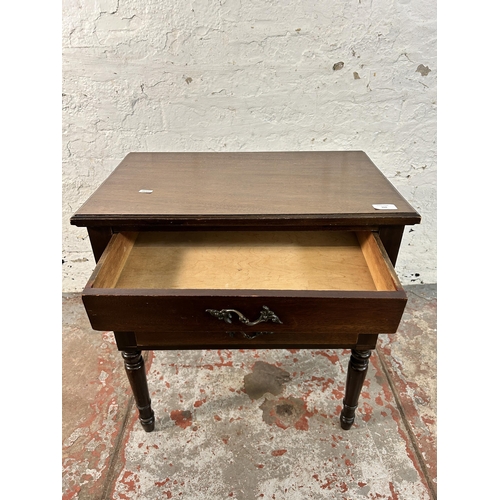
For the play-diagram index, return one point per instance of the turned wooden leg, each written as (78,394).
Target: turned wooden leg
(136,373)
(356,373)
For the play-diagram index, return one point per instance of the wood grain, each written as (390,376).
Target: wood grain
(378,261)
(114,258)
(335,186)
(299,260)
(343,312)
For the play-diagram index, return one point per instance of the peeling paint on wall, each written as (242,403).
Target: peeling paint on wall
(423,70)
(249,76)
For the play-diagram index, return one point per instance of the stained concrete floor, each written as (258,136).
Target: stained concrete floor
(250,424)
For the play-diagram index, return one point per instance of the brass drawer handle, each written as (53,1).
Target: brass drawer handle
(265,315)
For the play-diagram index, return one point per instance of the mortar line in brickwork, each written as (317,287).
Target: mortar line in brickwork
(409,431)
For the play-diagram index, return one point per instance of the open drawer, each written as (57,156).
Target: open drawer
(244,283)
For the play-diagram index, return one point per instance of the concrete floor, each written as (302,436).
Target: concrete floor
(251,424)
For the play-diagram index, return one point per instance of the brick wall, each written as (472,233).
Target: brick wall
(251,76)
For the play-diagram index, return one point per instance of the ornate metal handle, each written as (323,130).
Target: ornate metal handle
(265,315)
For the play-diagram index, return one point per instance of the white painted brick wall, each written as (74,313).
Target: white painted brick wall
(229,75)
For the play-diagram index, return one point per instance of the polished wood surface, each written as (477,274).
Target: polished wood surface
(331,186)
(356,374)
(300,311)
(136,373)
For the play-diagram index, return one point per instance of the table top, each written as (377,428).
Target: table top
(332,187)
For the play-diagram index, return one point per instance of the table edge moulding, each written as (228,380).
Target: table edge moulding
(254,250)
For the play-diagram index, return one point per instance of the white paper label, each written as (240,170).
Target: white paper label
(147,191)
(384,206)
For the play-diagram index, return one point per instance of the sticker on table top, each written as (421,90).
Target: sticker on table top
(384,206)
(146,191)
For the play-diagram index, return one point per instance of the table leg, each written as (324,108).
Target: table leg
(136,373)
(356,373)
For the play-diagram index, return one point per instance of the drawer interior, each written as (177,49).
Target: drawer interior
(246,260)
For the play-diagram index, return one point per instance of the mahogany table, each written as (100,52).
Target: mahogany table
(245,251)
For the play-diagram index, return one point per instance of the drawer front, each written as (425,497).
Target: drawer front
(332,283)
(314,312)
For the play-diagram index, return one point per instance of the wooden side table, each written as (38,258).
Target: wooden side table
(245,250)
